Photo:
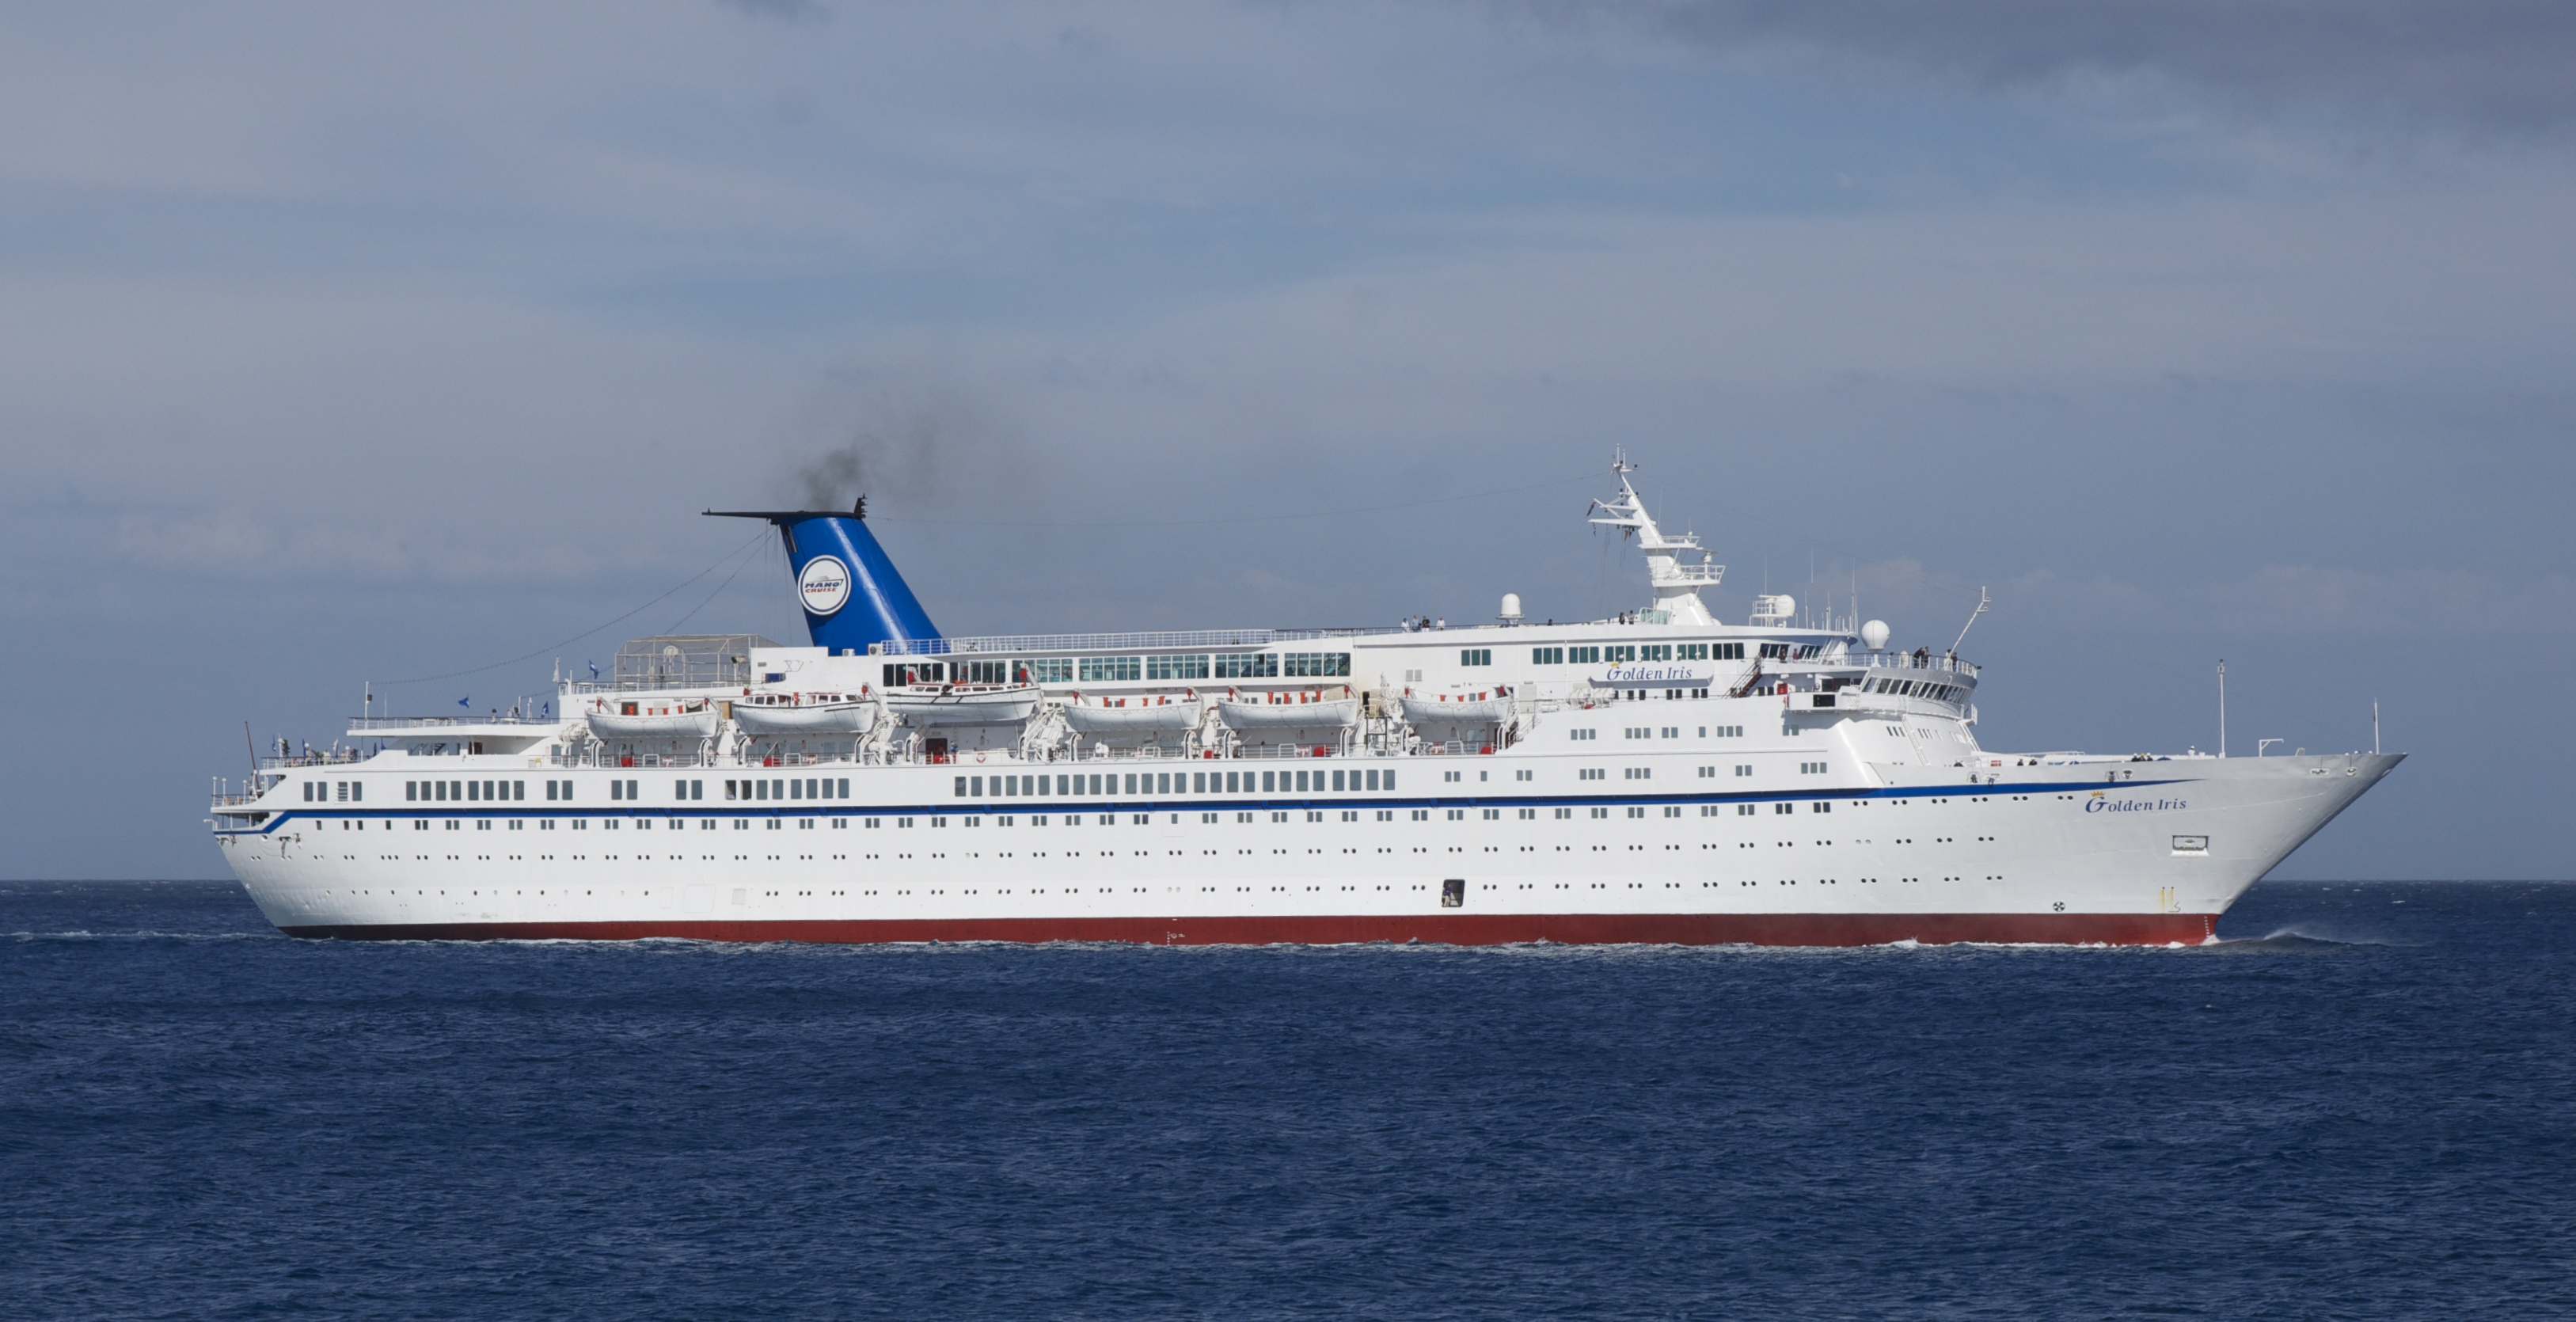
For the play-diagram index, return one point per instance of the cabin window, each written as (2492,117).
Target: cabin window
(961,787)
(1743,770)
(1319,664)
(1775,651)
(1783,809)
(1583,734)
(1813,768)
(1051,670)
(1176,667)
(1547,656)
(1655,652)
(1476,656)
(1640,773)
(1248,665)
(1692,652)
(1820,806)
(1619,652)
(1584,656)
(1096,669)
(983,672)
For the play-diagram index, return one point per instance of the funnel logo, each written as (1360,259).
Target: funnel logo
(823,585)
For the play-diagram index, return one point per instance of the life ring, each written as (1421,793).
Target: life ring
(979,759)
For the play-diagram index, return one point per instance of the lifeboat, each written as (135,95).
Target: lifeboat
(777,715)
(1477,707)
(1305,709)
(652,718)
(1137,714)
(964,704)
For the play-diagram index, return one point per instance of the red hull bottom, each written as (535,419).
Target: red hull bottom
(1800,929)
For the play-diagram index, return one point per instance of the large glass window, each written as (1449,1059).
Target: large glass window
(1584,656)
(1176,667)
(1547,656)
(1050,670)
(1110,669)
(1248,665)
(1323,664)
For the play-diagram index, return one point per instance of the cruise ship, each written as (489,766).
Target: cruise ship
(1655,776)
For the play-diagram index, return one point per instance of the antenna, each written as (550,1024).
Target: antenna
(2222,707)
(1982,602)
(2374,727)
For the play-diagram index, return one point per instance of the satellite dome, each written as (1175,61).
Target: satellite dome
(1873,635)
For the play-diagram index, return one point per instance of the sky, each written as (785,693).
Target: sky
(402,346)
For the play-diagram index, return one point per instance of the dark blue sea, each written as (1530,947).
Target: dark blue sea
(2363,1105)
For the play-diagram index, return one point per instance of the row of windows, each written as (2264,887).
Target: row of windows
(470,791)
(1665,732)
(1615,653)
(321,791)
(1115,669)
(810,787)
(1920,688)
(644,823)
(1097,784)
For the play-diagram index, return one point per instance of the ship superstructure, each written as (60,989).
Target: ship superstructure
(1654,776)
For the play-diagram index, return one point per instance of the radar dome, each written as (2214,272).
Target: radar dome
(1873,635)
(1511,605)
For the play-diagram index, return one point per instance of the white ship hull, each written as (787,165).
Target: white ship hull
(2039,854)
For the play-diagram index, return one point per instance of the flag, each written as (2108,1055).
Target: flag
(465,702)
(594,669)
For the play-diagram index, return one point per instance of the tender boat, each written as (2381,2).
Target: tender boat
(1476,707)
(652,718)
(1145,712)
(964,704)
(772,715)
(1307,709)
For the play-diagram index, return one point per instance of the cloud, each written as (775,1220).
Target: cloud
(784,11)
(2493,64)
(2302,601)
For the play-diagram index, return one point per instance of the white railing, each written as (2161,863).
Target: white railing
(1024,644)
(380,723)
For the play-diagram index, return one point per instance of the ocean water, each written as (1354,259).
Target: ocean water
(2363,1105)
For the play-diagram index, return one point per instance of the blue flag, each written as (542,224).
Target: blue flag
(594,669)
(465,702)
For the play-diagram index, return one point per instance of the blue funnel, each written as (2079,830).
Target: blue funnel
(852,595)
